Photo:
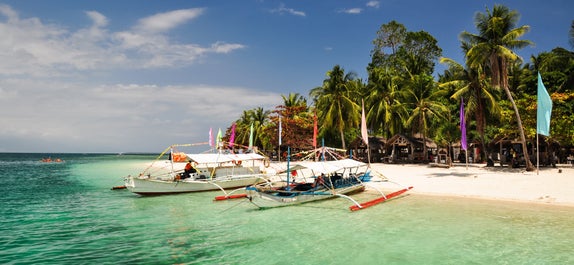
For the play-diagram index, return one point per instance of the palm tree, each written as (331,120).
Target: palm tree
(470,84)
(422,98)
(260,118)
(493,47)
(335,102)
(294,100)
(384,112)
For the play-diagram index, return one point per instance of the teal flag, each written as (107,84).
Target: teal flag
(544,109)
(219,138)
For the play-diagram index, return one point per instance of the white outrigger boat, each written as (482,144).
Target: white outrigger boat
(215,171)
(339,178)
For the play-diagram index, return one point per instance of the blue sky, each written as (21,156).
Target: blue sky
(138,76)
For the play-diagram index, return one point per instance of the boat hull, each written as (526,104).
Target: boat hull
(146,186)
(263,199)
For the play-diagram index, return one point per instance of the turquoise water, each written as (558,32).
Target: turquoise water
(65,213)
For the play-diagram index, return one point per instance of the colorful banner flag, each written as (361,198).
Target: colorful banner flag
(232,136)
(210,137)
(218,139)
(544,109)
(364,133)
(463,143)
(251,137)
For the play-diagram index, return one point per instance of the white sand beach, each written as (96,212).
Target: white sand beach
(549,185)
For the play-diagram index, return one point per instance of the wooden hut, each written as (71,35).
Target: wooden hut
(405,149)
(376,146)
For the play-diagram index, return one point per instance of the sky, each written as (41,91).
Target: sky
(138,76)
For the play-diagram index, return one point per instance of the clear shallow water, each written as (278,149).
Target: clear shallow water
(66,214)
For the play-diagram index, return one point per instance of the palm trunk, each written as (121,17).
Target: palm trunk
(529,166)
(481,123)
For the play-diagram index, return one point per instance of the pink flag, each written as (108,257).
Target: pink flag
(364,133)
(232,137)
(210,137)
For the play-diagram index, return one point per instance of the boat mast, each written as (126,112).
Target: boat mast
(171,159)
(288,169)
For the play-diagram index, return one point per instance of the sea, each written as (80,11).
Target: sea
(67,213)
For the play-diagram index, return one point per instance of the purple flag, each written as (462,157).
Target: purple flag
(462,126)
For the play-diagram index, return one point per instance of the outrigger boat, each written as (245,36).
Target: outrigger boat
(213,171)
(340,178)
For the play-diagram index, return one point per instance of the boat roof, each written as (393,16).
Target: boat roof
(327,166)
(223,158)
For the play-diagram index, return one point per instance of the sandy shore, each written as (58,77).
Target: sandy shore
(548,186)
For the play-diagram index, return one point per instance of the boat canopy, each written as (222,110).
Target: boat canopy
(223,158)
(327,167)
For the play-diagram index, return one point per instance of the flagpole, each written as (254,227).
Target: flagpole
(543,114)
(466,157)
(537,155)
(279,146)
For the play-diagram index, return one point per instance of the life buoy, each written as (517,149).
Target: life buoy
(236,162)
(179,157)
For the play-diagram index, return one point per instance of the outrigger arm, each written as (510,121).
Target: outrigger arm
(349,198)
(378,200)
(228,196)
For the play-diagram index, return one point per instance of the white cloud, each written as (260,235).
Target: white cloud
(284,10)
(48,104)
(353,11)
(8,12)
(31,47)
(98,19)
(373,4)
(78,117)
(162,22)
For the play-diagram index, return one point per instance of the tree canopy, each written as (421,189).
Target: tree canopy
(401,95)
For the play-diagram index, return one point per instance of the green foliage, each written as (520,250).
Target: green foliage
(401,96)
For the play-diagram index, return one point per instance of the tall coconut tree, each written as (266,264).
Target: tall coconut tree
(335,102)
(493,46)
(421,97)
(294,100)
(259,118)
(382,103)
(480,97)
